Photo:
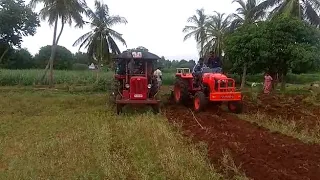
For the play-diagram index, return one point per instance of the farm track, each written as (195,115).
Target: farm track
(262,155)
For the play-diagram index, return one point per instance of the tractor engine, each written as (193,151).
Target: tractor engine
(216,80)
(138,88)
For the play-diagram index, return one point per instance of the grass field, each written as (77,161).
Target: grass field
(55,135)
(67,134)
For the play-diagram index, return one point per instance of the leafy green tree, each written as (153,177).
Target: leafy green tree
(18,59)
(63,60)
(197,29)
(100,41)
(247,13)
(64,11)
(16,20)
(245,47)
(276,46)
(290,43)
(82,58)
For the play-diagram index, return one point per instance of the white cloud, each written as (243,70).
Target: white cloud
(156,25)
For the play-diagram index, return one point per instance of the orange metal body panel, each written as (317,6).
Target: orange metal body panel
(225,96)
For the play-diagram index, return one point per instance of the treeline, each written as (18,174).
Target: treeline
(65,59)
(278,37)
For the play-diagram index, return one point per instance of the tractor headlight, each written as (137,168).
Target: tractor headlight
(127,86)
(149,86)
(219,81)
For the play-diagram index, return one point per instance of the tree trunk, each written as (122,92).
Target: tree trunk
(243,79)
(4,53)
(55,41)
(101,57)
(53,53)
(283,81)
(62,26)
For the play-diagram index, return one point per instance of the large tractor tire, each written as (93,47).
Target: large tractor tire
(235,106)
(180,92)
(199,102)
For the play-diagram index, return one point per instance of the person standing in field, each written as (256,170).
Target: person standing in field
(158,75)
(267,83)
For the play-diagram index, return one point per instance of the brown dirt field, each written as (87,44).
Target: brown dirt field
(262,155)
(287,107)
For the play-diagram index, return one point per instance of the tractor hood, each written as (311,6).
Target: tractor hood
(216,76)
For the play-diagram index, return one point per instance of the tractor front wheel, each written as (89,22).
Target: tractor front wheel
(199,102)
(235,106)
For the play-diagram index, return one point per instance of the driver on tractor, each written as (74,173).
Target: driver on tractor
(197,70)
(214,63)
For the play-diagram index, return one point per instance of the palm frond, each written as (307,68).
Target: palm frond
(189,35)
(117,36)
(113,46)
(311,15)
(82,38)
(113,20)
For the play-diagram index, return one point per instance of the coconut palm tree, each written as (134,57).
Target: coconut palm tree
(100,41)
(64,11)
(215,29)
(247,13)
(305,9)
(197,29)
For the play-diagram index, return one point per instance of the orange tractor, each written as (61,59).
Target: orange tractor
(208,87)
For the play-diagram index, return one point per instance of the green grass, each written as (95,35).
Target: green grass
(55,135)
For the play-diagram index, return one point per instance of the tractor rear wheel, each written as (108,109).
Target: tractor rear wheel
(181,93)
(199,102)
(235,106)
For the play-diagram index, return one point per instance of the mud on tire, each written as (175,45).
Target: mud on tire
(180,92)
(199,102)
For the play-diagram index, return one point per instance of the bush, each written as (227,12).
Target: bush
(79,67)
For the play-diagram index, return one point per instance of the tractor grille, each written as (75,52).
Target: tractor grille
(138,87)
(225,85)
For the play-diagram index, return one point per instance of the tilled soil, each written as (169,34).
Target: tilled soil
(263,155)
(290,108)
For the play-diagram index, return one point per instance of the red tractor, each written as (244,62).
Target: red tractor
(209,87)
(134,82)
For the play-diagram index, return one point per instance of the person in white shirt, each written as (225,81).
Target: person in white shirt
(158,75)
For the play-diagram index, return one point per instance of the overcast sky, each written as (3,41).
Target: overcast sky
(156,25)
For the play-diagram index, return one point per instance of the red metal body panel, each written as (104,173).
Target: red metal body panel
(129,101)
(138,88)
(125,94)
